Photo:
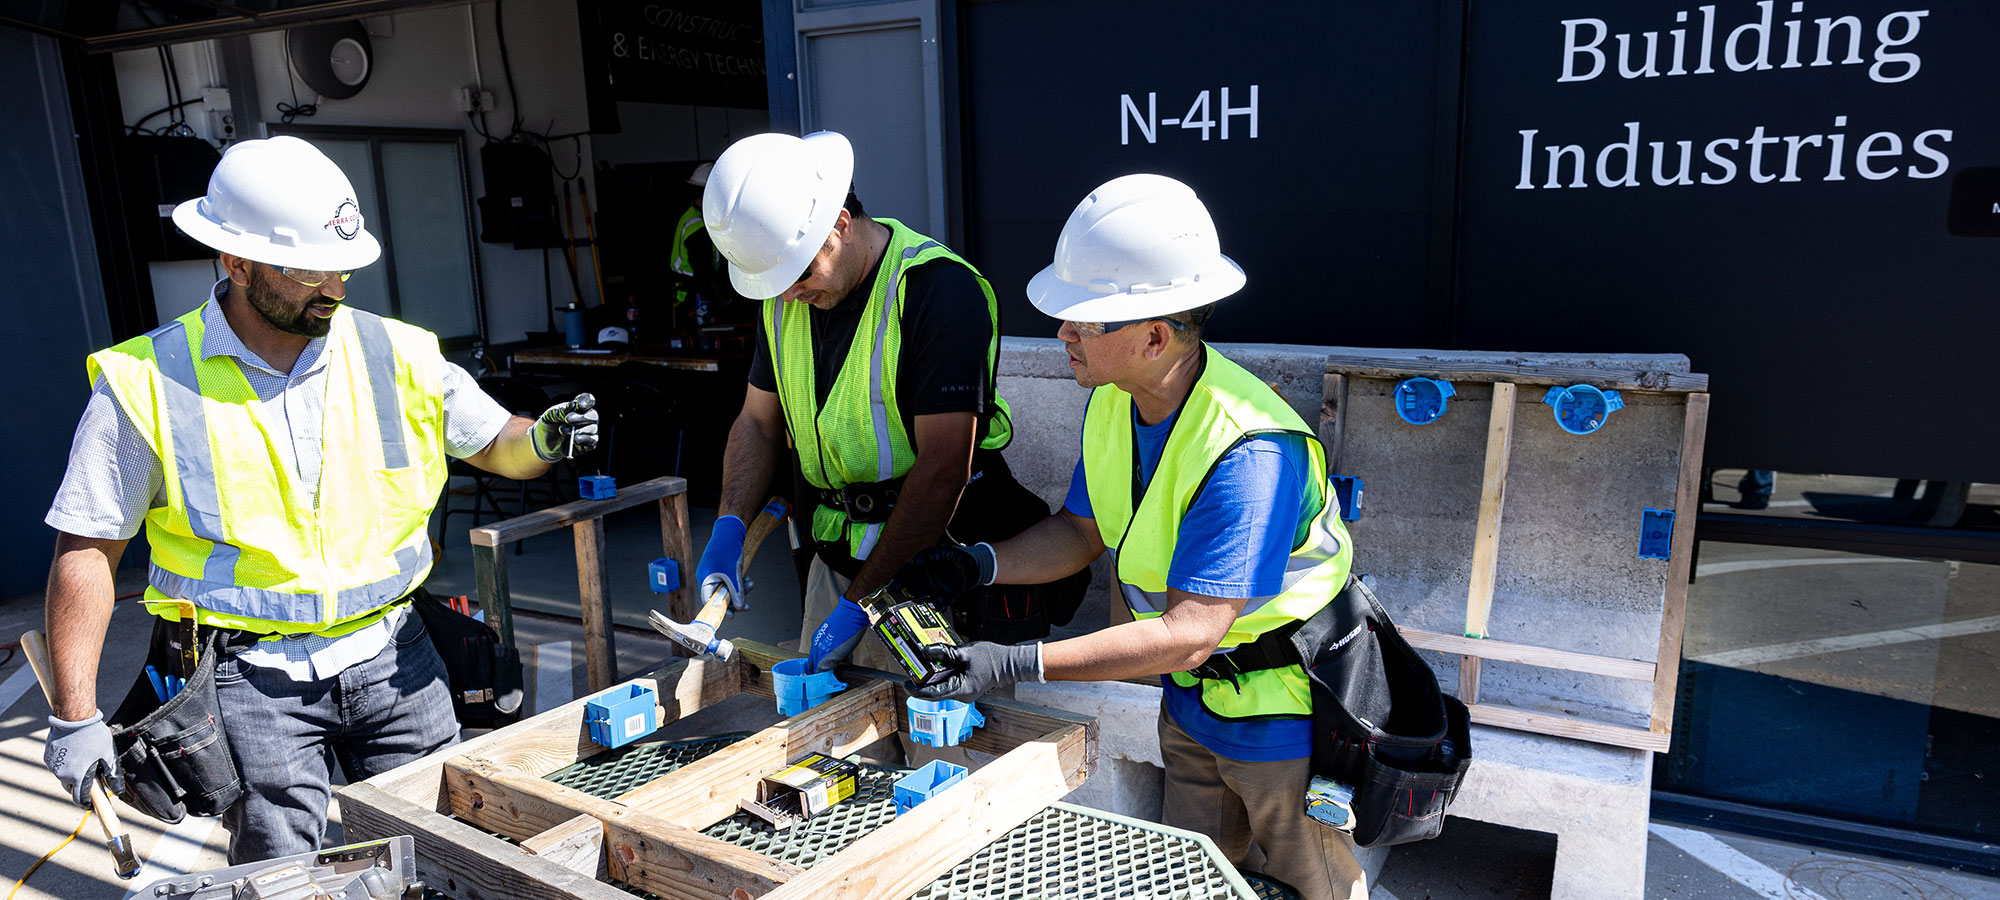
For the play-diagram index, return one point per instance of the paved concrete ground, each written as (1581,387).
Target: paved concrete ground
(1471,860)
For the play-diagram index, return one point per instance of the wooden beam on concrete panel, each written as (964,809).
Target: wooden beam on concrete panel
(558,517)
(593,586)
(677,544)
(1486,539)
(918,846)
(462,861)
(1567,727)
(1505,651)
(1680,563)
(1634,379)
(1333,418)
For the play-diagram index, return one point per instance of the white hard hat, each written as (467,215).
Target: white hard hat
(1139,246)
(770,203)
(700,176)
(281,202)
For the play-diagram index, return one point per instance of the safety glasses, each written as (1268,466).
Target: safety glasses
(312,277)
(1093,329)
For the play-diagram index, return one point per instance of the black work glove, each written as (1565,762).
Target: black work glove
(980,667)
(566,429)
(941,574)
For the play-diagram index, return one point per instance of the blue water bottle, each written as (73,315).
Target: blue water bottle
(573,325)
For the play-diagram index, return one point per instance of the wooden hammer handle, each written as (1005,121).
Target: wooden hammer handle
(762,524)
(36,648)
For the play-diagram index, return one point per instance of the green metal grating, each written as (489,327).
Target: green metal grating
(1268,888)
(872,806)
(614,773)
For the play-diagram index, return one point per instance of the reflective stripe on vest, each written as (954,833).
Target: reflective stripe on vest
(1226,406)
(859,436)
(678,259)
(238,536)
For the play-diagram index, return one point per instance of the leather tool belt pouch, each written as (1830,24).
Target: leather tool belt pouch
(1380,722)
(175,754)
(485,674)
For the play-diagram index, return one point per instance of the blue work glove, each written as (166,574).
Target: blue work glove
(943,573)
(833,641)
(722,556)
(979,667)
(566,429)
(78,752)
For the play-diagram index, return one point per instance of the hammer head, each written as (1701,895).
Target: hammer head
(696,636)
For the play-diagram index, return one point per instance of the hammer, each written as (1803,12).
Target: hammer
(122,858)
(699,635)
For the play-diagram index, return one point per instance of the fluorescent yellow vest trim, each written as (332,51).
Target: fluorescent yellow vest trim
(238,536)
(678,259)
(1226,406)
(859,437)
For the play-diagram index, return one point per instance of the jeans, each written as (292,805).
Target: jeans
(371,717)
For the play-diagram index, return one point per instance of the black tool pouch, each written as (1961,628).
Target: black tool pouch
(485,673)
(1380,722)
(993,508)
(175,754)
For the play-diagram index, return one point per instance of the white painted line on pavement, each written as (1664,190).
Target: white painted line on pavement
(553,685)
(175,854)
(1706,569)
(16,685)
(1733,864)
(1750,657)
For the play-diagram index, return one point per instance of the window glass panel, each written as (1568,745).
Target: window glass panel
(369,288)
(427,228)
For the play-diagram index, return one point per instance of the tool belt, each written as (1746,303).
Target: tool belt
(1271,650)
(484,674)
(864,502)
(175,753)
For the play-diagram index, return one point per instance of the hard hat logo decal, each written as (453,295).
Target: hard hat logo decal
(346,220)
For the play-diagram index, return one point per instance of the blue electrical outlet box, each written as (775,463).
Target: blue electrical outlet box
(597,487)
(1348,489)
(1656,534)
(663,575)
(1420,400)
(1582,408)
(622,715)
(926,782)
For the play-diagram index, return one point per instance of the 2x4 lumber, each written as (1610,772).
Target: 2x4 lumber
(1636,379)
(489,581)
(1680,561)
(931,839)
(543,521)
(706,791)
(1568,727)
(677,544)
(1547,658)
(463,861)
(1332,418)
(1486,539)
(558,737)
(593,586)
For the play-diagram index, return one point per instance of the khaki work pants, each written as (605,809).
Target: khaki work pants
(1256,814)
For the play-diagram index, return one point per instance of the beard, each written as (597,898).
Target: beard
(267,297)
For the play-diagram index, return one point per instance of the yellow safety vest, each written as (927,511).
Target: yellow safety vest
(678,258)
(1226,406)
(859,436)
(239,536)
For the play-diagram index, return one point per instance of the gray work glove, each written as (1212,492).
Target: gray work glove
(78,752)
(981,667)
(566,429)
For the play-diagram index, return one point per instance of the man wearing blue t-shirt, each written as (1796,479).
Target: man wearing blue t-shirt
(1213,498)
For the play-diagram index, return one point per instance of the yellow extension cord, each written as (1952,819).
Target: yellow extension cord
(45,856)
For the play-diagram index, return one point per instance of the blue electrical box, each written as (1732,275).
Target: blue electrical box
(663,575)
(597,487)
(926,782)
(622,715)
(1420,400)
(1582,408)
(1656,534)
(1348,489)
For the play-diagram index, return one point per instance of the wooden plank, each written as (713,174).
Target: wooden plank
(928,841)
(677,544)
(1332,418)
(705,791)
(593,585)
(1680,562)
(481,795)
(558,737)
(463,861)
(1547,658)
(1492,502)
(1568,727)
(489,581)
(567,514)
(1637,378)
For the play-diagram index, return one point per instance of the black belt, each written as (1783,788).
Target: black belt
(864,503)
(1271,650)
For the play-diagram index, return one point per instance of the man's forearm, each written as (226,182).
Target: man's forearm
(923,510)
(512,453)
(1180,640)
(1053,548)
(749,463)
(78,612)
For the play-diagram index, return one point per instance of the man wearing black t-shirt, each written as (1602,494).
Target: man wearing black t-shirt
(875,358)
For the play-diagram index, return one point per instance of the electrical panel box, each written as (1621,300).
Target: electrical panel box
(519,206)
(158,174)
